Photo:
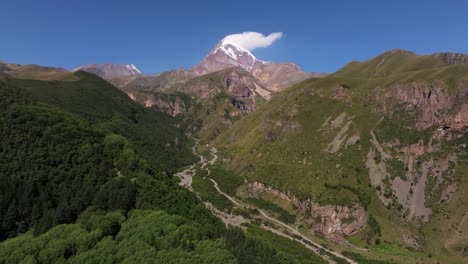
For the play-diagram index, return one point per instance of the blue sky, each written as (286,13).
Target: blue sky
(161,35)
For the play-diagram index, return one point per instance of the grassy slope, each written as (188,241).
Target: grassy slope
(284,158)
(261,150)
(89,96)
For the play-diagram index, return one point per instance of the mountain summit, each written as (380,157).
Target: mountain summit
(228,54)
(225,55)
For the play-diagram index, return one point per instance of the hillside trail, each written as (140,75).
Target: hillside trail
(187,174)
(293,234)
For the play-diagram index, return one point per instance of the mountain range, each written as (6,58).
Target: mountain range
(368,164)
(225,55)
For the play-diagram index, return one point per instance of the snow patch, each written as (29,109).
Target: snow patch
(233,50)
(132,69)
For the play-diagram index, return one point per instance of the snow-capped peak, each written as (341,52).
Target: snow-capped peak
(226,54)
(233,50)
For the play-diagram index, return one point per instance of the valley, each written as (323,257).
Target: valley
(238,220)
(236,160)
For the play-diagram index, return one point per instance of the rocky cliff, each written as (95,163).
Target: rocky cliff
(431,101)
(453,58)
(171,104)
(414,149)
(333,221)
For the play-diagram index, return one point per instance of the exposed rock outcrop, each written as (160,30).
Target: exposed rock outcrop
(432,100)
(343,121)
(419,149)
(335,145)
(239,85)
(452,58)
(342,93)
(170,104)
(333,221)
(235,82)
(352,140)
(410,177)
(411,241)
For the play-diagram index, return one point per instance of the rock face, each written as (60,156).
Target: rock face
(406,189)
(419,181)
(342,138)
(233,81)
(110,70)
(239,85)
(432,100)
(452,58)
(170,104)
(460,119)
(342,93)
(333,221)
(416,176)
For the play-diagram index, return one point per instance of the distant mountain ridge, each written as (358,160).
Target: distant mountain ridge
(226,54)
(110,70)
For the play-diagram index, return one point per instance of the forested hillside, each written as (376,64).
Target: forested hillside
(55,164)
(86,177)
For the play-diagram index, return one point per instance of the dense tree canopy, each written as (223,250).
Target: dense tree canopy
(80,183)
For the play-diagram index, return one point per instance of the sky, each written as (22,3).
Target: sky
(319,36)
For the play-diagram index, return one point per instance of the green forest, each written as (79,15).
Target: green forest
(86,177)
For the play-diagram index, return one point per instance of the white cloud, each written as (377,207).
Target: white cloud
(253,40)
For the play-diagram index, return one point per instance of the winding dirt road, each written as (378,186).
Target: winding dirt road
(186,181)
